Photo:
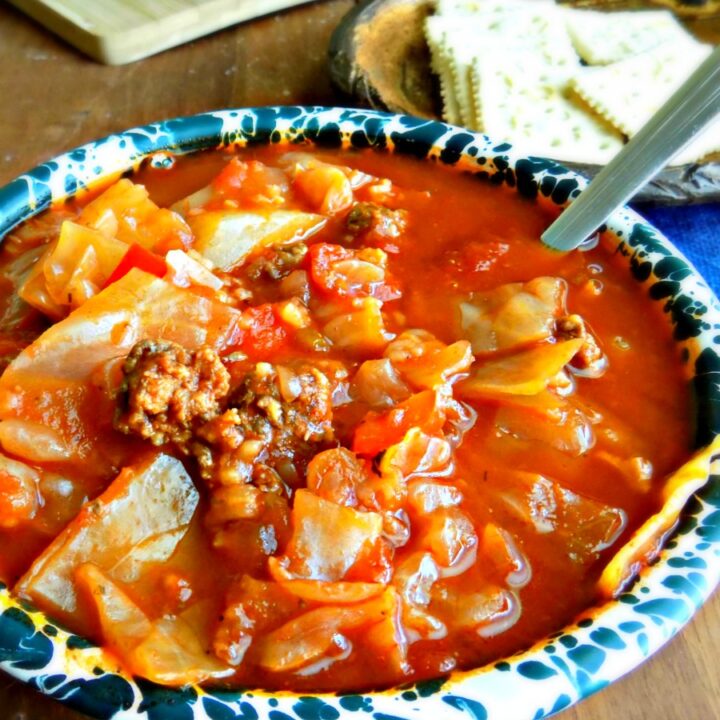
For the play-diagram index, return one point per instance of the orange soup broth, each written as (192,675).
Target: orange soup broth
(466,236)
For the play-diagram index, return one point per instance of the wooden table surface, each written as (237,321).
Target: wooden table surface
(52,99)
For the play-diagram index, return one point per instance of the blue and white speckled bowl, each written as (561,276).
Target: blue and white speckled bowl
(604,644)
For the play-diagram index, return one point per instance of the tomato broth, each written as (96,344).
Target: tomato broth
(322,420)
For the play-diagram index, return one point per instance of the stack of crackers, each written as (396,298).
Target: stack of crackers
(566,83)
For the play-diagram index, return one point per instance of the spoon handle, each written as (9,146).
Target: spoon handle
(681,118)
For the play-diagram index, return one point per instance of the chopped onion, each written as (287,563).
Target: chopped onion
(464,562)
(184,271)
(34,442)
(503,621)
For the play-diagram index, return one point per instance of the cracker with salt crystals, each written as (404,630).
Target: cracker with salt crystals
(521,102)
(460,62)
(504,28)
(435,29)
(629,92)
(601,38)
(447,39)
(470,7)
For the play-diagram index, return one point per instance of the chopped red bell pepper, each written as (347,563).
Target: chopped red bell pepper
(323,256)
(138,257)
(231,178)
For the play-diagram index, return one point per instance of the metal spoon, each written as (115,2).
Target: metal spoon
(673,126)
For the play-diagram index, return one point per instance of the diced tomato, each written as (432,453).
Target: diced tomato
(340,272)
(266,334)
(250,182)
(231,177)
(322,257)
(18,499)
(138,257)
(378,431)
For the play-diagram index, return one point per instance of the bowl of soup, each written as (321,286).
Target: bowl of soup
(298,418)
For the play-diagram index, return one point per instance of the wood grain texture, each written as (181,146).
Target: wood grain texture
(121,31)
(52,99)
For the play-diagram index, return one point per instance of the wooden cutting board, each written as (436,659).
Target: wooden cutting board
(120,31)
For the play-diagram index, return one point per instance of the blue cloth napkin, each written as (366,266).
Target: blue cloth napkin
(695,230)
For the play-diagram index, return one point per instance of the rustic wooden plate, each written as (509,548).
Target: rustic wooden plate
(378,56)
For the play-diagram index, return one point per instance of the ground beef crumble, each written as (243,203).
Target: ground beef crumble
(168,391)
(367,217)
(590,359)
(275,415)
(277,262)
(255,433)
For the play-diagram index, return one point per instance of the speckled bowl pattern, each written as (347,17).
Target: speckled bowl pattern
(604,643)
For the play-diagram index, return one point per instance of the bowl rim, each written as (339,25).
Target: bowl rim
(604,643)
